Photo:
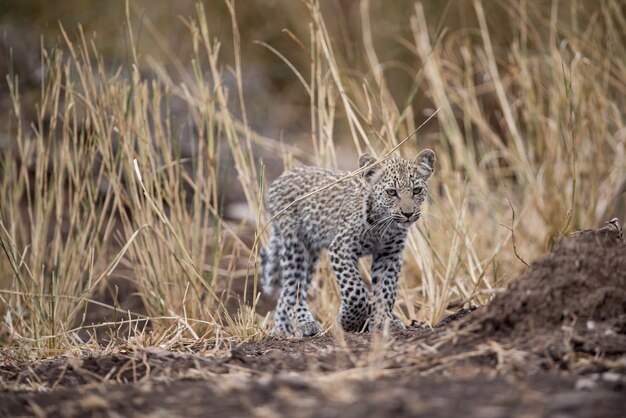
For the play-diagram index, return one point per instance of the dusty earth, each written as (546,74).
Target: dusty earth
(552,344)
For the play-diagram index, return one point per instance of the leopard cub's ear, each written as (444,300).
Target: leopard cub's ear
(425,163)
(364,160)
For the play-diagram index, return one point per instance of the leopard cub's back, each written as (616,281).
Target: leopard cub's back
(323,209)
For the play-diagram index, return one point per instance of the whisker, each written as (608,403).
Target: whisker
(377,223)
(387,226)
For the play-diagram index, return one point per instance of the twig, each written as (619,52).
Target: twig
(512,229)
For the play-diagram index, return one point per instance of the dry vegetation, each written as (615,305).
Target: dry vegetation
(529,131)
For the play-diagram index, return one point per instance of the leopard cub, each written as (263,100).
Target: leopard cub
(369,214)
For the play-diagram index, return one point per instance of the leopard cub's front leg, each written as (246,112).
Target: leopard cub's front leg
(385,273)
(354,309)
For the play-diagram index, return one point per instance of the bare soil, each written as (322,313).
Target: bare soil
(552,344)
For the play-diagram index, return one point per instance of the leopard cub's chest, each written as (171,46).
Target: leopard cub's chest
(379,240)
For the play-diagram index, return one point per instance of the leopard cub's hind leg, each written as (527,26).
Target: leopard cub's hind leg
(292,315)
(297,267)
(282,316)
(305,322)
(272,279)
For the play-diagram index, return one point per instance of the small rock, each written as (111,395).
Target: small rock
(93,402)
(611,377)
(585,384)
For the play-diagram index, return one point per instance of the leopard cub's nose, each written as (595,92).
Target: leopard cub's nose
(407,214)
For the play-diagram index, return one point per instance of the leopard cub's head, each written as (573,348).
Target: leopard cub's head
(398,185)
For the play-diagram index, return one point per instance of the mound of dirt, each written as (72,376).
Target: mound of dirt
(580,285)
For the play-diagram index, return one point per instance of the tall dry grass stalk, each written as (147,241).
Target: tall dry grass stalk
(104,177)
(48,213)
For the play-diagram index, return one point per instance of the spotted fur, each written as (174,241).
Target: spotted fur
(364,215)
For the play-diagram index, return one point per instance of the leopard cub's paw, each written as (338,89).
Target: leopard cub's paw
(396,325)
(309,328)
(393,324)
(281,331)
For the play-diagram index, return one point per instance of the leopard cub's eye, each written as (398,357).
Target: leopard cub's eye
(392,192)
(417,190)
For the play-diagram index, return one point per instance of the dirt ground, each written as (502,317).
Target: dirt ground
(552,344)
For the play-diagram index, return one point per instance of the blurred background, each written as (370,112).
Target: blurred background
(212,100)
(162,36)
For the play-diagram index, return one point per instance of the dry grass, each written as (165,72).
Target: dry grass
(102,178)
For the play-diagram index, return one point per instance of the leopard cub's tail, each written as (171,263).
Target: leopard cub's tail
(271,278)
